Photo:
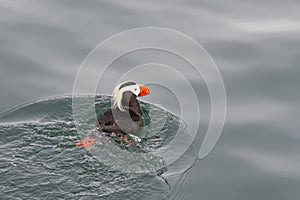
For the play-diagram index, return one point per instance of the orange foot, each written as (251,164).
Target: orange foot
(86,143)
(125,140)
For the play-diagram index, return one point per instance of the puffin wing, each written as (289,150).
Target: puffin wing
(129,121)
(107,123)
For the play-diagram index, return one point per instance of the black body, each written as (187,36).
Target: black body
(123,122)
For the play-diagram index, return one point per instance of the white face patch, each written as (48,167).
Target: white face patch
(118,94)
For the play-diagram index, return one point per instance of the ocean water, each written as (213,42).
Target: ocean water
(255,45)
(39,158)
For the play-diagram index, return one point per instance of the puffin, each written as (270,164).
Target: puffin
(124,119)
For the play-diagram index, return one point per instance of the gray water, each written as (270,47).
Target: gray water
(255,44)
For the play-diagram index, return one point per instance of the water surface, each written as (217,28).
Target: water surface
(255,45)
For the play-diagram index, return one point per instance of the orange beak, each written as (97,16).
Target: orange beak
(144,91)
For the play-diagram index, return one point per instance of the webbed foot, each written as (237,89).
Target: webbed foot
(86,142)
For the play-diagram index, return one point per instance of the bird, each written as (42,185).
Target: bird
(124,119)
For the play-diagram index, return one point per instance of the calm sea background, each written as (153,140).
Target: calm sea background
(255,44)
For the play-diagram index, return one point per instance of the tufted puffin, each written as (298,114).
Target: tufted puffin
(125,117)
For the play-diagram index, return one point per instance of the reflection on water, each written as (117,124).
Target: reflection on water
(255,45)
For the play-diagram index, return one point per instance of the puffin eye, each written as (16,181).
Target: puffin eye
(135,89)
